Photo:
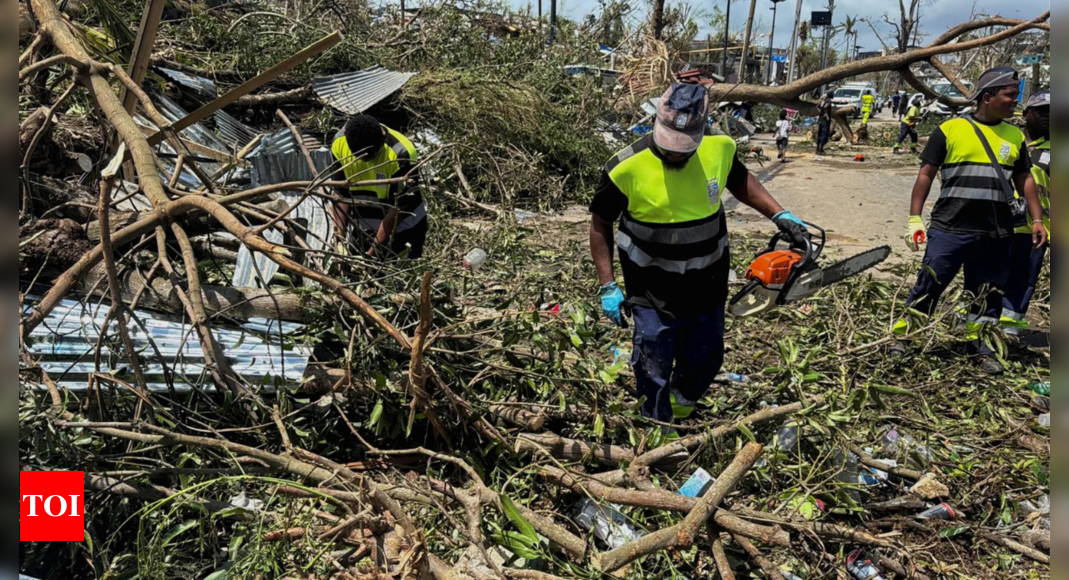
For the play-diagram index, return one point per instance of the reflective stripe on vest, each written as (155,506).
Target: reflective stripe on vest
(674,220)
(967,172)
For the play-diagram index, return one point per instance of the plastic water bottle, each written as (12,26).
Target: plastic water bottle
(697,485)
(789,436)
(939,512)
(848,462)
(733,378)
(475,259)
(607,523)
(1040,388)
(861,567)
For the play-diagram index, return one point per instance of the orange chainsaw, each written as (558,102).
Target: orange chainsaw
(777,277)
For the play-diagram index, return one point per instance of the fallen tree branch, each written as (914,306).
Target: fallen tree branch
(683,535)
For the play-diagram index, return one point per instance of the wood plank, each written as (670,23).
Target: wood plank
(146,40)
(271,74)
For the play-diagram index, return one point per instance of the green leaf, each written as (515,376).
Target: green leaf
(745,430)
(220,574)
(518,520)
(518,544)
(599,426)
(178,531)
(954,532)
(376,414)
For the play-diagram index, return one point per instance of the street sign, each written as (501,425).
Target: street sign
(822,18)
(1031,59)
(779,58)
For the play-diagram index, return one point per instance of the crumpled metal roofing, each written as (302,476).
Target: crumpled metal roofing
(204,88)
(234,132)
(261,351)
(355,93)
(278,159)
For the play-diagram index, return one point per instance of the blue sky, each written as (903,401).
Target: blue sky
(937,15)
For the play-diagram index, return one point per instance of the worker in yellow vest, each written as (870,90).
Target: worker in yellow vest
(383,207)
(972,226)
(868,106)
(1026,265)
(665,190)
(909,127)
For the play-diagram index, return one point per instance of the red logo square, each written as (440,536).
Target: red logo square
(52,506)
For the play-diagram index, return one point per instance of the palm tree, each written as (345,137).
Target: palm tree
(851,29)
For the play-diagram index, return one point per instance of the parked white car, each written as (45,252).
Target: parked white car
(850,95)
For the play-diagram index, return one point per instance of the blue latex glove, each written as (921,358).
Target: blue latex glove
(794,228)
(612,303)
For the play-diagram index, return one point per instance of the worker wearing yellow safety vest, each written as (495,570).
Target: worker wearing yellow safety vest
(868,105)
(1026,265)
(973,221)
(383,207)
(665,190)
(909,127)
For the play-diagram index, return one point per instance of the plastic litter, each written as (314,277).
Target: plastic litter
(698,484)
(789,436)
(940,512)
(243,502)
(607,523)
(861,567)
(1041,506)
(1044,420)
(788,576)
(475,259)
(897,442)
(1040,388)
(523,216)
(850,474)
(733,378)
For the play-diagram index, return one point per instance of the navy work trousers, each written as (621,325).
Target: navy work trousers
(1026,265)
(684,355)
(987,264)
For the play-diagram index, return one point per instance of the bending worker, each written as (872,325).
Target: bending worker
(973,221)
(909,127)
(377,216)
(666,191)
(1026,263)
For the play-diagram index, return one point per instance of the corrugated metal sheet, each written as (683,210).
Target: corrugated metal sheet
(278,160)
(204,88)
(234,132)
(355,93)
(173,112)
(261,352)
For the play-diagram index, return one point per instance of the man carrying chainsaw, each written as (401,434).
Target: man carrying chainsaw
(665,190)
(973,221)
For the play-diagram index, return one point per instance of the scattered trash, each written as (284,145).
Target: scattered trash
(475,259)
(1044,421)
(861,567)
(1041,404)
(697,485)
(607,523)
(940,512)
(896,443)
(243,502)
(789,436)
(1040,388)
(523,217)
(930,488)
(859,158)
(788,576)
(733,277)
(809,507)
(896,505)
(1042,508)
(733,378)
(849,474)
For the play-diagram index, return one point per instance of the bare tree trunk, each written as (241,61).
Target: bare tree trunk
(745,62)
(658,19)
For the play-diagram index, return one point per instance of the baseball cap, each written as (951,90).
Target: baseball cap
(681,118)
(1040,99)
(997,78)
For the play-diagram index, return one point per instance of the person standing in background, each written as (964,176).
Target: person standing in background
(783,136)
(824,119)
(1026,264)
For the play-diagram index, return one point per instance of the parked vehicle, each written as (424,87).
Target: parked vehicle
(851,94)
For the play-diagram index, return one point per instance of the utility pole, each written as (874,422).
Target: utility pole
(794,42)
(827,42)
(744,67)
(552,21)
(772,41)
(727,40)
